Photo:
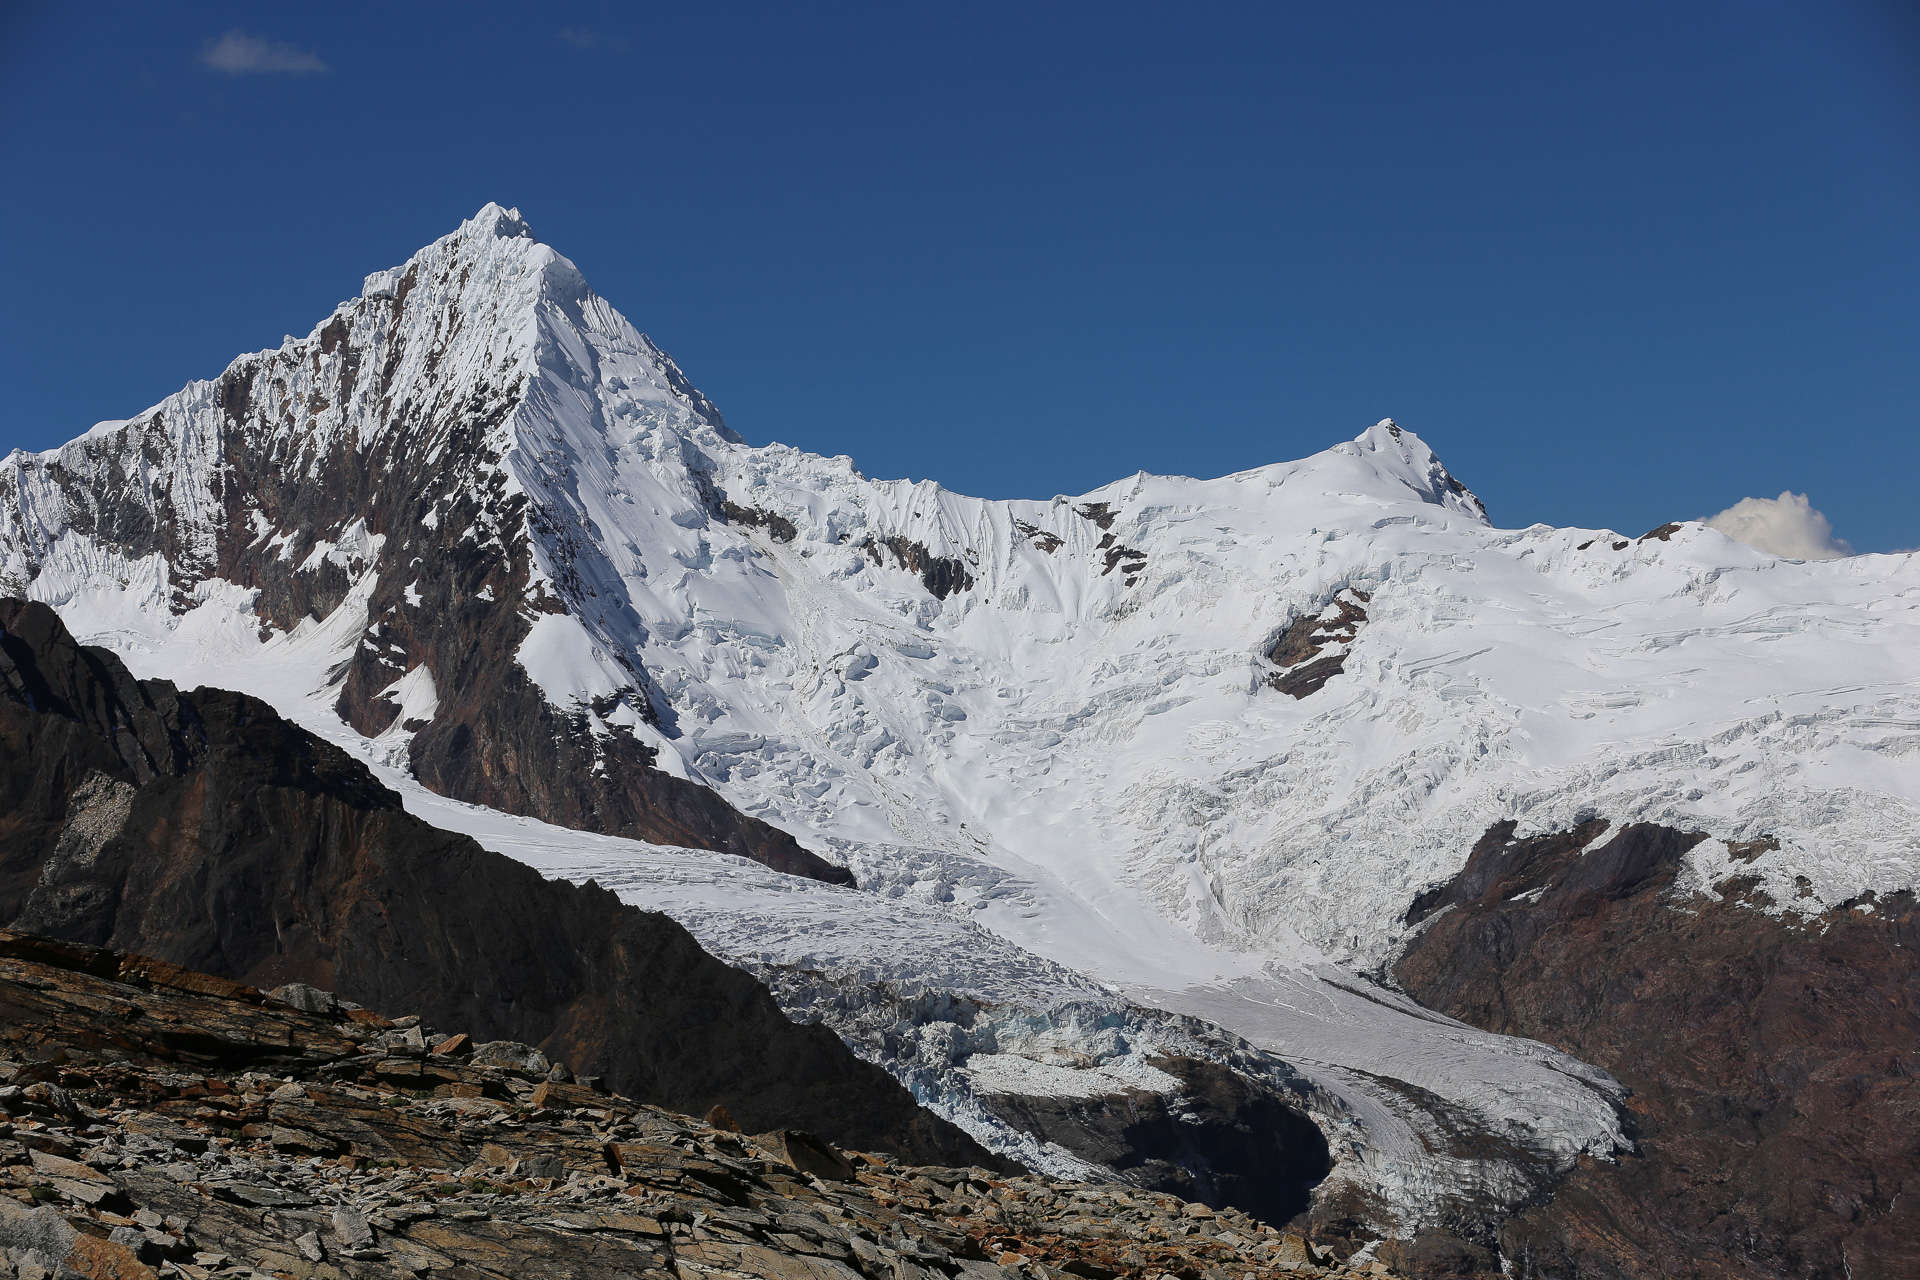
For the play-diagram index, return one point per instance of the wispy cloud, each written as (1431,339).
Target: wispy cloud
(1788,525)
(239,54)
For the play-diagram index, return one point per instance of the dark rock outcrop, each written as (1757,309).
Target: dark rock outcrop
(1773,1059)
(1223,1140)
(204,829)
(475,750)
(1101,513)
(778,527)
(1298,648)
(1116,554)
(940,575)
(1041,538)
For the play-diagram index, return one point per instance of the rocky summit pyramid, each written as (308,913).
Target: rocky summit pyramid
(432,430)
(1129,829)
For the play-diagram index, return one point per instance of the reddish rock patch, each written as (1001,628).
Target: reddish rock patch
(1298,648)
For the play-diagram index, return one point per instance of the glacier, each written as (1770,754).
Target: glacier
(1045,735)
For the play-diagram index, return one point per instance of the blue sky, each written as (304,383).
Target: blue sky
(1617,263)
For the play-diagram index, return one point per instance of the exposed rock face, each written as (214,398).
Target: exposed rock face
(382,466)
(1101,513)
(1301,648)
(1772,1058)
(778,527)
(1041,538)
(205,830)
(1116,554)
(940,575)
(1234,1143)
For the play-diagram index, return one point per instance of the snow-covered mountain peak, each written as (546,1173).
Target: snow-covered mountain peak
(494,221)
(1405,457)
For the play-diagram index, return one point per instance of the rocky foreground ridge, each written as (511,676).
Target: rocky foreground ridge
(161,1122)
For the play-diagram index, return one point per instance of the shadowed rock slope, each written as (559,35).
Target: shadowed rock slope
(203,829)
(1772,1058)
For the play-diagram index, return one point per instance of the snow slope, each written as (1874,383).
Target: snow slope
(1044,734)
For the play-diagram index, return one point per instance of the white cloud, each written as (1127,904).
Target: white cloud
(239,54)
(1786,526)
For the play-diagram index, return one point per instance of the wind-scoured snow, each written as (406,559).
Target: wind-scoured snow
(1042,733)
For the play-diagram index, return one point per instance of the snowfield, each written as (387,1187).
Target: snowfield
(1045,735)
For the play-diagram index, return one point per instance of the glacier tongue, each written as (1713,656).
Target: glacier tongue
(1046,735)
